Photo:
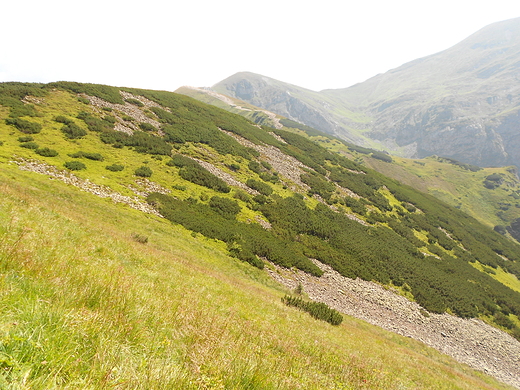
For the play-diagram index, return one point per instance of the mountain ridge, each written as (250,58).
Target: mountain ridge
(459,103)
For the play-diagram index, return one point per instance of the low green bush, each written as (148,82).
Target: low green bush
(147,127)
(318,310)
(140,238)
(135,102)
(29,145)
(226,207)
(382,156)
(96,124)
(266,165)
(263,188)
(143,171)
(115,167)
(73,131)
(201,176)
(26,138)
(63,119)
(255,166)
(24,126)
(46,152)
(234,167)
(241,195)
(90,156)
(75,165)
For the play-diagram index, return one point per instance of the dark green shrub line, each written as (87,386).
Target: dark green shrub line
(390,255)
(318,310)
(191,170)
(98,125)
(147,126)
(115,167)
(245,241)
(143,171)
(141,141)
(319,185)
(88,155)
(24,126)
(73,131)
(29,145)
(46,152)
(63,119)
(135,102)
(75,165)
(201,176)
(178,160)
(226,207)
(12,93)
(382,156)
(105,92)
(263,188)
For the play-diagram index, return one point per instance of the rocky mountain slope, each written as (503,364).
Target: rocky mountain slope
(255,197)
(461,103)
(494,203)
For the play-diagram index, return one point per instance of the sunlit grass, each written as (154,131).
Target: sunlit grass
(499,274)
(83,305)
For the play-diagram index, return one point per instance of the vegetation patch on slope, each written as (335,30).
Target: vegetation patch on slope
(405,237)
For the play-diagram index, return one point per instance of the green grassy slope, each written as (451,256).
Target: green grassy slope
(86,306)
(121,298)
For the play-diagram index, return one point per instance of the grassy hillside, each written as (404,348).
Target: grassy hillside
(84,305)
(446,179)
(91,282)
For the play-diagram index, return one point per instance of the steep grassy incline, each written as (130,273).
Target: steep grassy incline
(87,305)
(257,194)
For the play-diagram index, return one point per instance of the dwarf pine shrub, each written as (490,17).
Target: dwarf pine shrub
(73,131)
(29,145)
(318,310)
(46,152)
(146,126)
(143,171)
(74,165)
(115,167)
(24,126)
(263,188)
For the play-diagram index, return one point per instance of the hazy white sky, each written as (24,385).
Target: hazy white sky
(166,44)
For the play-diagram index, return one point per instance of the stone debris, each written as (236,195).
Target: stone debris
(128,109)
(285,165)
(230,180)
(86,185)
(262,222)
(469,341)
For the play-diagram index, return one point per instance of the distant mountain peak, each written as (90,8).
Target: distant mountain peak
(461,103)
